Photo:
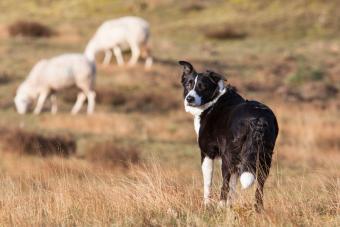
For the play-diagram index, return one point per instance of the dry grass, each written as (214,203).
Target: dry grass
(120,125)
(142,101)
(70,194)
(303,188)
(108,154)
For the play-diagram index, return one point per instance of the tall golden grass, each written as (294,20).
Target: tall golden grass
(302,190)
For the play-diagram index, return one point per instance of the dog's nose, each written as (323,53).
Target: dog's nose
(190,99)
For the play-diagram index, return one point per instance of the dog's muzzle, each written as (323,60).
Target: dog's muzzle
(193,99)
(190,99)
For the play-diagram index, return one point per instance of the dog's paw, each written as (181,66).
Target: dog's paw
(224,204)
(207,202)
(258,208)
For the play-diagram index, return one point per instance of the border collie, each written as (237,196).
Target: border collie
(240,132)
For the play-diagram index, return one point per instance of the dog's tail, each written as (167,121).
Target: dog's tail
(256,152)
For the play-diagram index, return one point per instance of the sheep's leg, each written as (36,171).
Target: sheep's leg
(41,100)
(54,107)
(119,57)
(148,62)
(91,102)
(79,103)
(135,53)
(147,55)
(108,56)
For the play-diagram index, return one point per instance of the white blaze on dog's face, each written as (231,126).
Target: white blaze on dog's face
(192,98)
(200,88)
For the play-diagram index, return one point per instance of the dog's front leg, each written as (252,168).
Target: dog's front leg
(207,170)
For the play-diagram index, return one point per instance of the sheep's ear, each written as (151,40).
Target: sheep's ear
(217,78)
(187,67)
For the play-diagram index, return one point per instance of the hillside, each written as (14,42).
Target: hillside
(136,161)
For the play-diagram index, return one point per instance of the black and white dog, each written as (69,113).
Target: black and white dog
(240,132)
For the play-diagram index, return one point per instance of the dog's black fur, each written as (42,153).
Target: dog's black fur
(241,132)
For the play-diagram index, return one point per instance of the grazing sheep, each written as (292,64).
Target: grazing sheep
(51,75)
(118,35)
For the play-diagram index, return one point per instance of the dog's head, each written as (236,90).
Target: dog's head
(200,88)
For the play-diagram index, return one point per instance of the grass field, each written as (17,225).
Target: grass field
(136,161)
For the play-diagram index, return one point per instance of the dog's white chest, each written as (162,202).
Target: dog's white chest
(196,112)
(197,124)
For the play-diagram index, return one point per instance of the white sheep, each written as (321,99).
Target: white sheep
(121,34)
(51,75)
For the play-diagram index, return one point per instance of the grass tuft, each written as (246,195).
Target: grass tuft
(306,74)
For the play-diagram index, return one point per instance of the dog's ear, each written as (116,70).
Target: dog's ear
(187,67)
(217,78)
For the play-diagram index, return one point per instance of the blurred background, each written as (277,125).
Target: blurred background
(136,161)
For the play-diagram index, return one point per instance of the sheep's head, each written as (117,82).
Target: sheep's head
(22,101)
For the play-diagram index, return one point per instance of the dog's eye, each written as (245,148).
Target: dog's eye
(190,83)
(200,86)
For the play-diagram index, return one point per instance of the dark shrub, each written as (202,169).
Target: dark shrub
(225,32)
(30,29)
(193,6)
(25,142)
(4,78)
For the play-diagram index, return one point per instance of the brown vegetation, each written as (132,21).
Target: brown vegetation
(224,32)
(4,78)
(108,154)
(193,6)
(30,29)
(24,142)
(310,92)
